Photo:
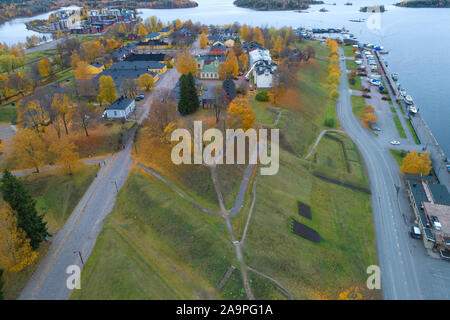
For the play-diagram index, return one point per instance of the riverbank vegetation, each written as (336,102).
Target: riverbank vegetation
(424,4)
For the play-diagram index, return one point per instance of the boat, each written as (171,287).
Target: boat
(394,76)
(412,109)
(348,3)
(402,92)
(383,52)
(375,82)
(408,99)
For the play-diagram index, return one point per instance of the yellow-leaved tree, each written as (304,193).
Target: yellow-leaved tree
(203,41)
(186,63)
(29,149)
(107,89)
(231,64)
(44,67)
(415,163)
(65,153)
(15,250)
(142,32)
(240,115)
(82,70)
(146,81)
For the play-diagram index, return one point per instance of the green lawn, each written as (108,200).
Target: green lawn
(399,127)
(7,113)
(348,51)
(57,194)
(357,85)
(260,111)
(155,245)
(398,155)
(412,131)
(358,105)
(351,65)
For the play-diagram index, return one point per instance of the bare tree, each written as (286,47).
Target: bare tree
(83,116)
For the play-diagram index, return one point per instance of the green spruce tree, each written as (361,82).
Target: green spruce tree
(194,102)
(183,103)
(14,192)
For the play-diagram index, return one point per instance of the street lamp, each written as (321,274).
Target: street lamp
(81,258)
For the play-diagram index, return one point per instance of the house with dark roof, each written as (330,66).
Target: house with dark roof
(152,36)
(154,66)
(122,53)
(120,109)
(249,47)
(218,49)
(147,46)
(158,57)
(166,31)
(431,205)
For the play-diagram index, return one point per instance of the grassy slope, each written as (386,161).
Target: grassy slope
(154,245)
(260,111)
(57,195)
(7,113)
(358,105)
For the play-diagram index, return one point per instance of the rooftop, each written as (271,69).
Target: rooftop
(147,57)
(120,104)
(442,212)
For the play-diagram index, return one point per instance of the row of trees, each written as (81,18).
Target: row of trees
(334,76)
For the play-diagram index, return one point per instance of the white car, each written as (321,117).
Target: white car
(358,62)
(395,142)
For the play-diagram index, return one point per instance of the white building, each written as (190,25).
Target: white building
(120,109)
(262,68)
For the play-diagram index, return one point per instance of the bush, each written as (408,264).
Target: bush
(366,96)
(329,122)
(262,96)
(352,81)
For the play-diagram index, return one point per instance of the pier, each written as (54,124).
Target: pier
(423,132)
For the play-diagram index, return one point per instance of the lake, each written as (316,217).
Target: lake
(418,41)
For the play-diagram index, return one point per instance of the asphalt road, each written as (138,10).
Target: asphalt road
(84,225)
(407,272)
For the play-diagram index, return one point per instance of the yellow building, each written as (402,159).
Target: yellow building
(96,68)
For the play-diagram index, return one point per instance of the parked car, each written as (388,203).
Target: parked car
(395,142)
(139,97)
(415,233)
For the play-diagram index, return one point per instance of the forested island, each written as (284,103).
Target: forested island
(276,4)
(425,4)
(10,9)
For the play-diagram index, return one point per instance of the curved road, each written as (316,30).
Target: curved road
(407,271)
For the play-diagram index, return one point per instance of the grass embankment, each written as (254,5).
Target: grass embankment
(348,51)
(412,131)
(57,194)
(7,113)
(351,65)
(398,155)
(307,104)
(155,245)
(357,85)
(358,105)
(398,125)
(259,108)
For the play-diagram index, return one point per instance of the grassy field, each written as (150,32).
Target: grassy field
(358,105)
(154,245)
(399,127)
(343,218)
(348,51)
(57,194)
(351,65)
(357,85)
(7,113)
(260,111)
(412,131)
